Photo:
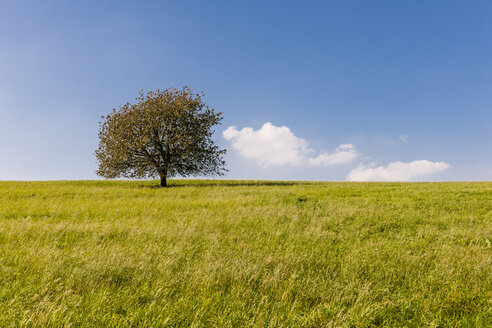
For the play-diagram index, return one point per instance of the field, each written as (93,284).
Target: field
(245,253)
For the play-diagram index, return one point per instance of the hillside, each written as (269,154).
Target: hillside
(245,253)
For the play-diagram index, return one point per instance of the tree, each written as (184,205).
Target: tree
(163,134)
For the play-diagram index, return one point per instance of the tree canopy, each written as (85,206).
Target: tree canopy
(163,134)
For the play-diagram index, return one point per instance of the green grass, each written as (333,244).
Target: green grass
(237,253)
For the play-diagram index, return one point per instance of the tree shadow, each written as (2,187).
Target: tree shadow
(245,183)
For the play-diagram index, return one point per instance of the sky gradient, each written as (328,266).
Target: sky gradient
(333,90)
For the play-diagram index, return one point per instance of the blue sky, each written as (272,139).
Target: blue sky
(351,90)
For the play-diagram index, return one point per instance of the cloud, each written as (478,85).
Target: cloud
(403,137)
(343,154)
(397,171)
(272,145)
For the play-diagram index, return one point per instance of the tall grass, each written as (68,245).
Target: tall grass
(245,253)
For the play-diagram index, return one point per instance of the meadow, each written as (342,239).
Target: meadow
(210,253)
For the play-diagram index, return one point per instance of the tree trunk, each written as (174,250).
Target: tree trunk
(163,181)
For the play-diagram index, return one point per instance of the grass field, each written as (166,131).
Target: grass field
(244,253)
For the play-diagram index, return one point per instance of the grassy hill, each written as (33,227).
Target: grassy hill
(245,253)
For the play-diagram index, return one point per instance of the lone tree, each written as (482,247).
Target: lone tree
(163,134)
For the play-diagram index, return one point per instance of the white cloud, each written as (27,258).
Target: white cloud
(273,145)
(343,154)
(270,145)
(397,171)
(403,137)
